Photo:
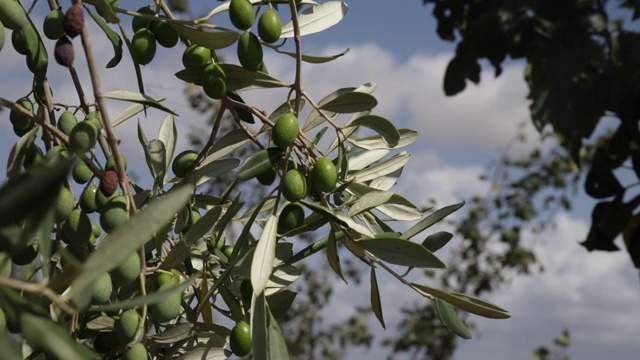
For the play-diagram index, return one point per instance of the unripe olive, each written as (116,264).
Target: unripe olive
(136,352)
(241,14)
(143,46)
(82,138)
(114,213)
(128,270)
(81,173)
(165,35)
(249,51)
(88,199)
(125,327)
(285,131)
(183,162)
(77,230)
(240,339)
(102,289)
(138,22)
(291,217)
(324,175)
(52,26)
(64,204)
(111,162)
(294,186)
(269,26)
(66,122)
(167,309)
(196,57)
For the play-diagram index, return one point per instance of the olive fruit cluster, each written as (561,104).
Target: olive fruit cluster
(149,32)
(214,79)
(25,38)
(56,26)
(249,50)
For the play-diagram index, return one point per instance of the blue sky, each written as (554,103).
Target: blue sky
(394,44)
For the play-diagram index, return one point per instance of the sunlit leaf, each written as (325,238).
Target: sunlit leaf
(168,134)
(263,258)
(375,142)
(317,18)
(127,114)
(382,126)
(369,201)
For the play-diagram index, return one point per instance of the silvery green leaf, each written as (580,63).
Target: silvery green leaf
(383,168)
(317,18)
(407,137)
(265,253)
(363,159)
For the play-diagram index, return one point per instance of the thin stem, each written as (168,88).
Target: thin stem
(38,289)
(111,137)
(298,41)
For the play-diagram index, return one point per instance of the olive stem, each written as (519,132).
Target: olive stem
(40,289)
(297,40)
(111,137)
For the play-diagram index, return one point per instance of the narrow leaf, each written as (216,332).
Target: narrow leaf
(332,255)
(376,142)
(351,102)
(113,37)
(311,58)
(259,162)
(52,338)
(263,259)
(127,238)
(210,39)
(433,218)
(463,303)
(369,201)
(259,326)
(450,319)
(239,78)
(202,226)
(168,134)
(382,126)
(127,114)
(125,95)
(376,305)
(215,168)
(402,252)
(436,241)
(277,344)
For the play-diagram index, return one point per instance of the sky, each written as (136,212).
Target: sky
(594,295)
